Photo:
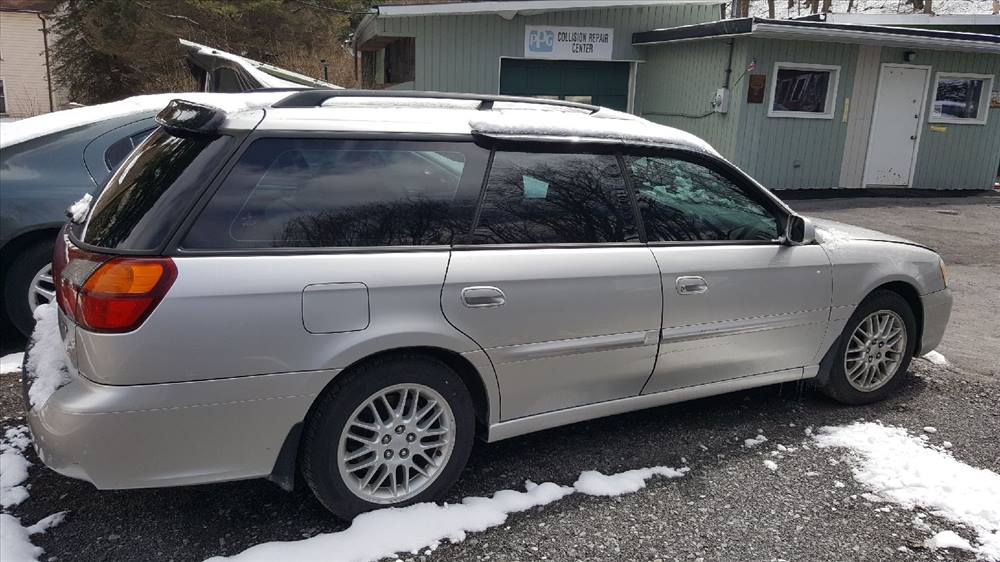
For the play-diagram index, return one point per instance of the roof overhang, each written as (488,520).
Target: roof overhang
(822,31)
(510,8)
(908,19)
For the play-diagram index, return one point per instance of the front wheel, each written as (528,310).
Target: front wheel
(393,432)
(874,351)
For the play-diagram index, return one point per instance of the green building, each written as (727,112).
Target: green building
(798,104)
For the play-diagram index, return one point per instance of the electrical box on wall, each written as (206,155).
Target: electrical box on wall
(720,102)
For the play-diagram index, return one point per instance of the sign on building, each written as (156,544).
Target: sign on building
(563,42)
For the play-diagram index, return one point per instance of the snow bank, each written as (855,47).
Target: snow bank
(754,441)
(906,470)
(605,125)
(594,483)
(771,465)
(139,106)
(11,363)
(936,358)
(48,365)
(13,466)
(382,533)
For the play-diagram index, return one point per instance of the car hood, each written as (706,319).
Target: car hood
(830,232)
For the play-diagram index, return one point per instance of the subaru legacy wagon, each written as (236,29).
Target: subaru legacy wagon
(353,285)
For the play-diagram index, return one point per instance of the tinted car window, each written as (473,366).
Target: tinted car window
(117,152)
(150,191)
(326,193)
(680,201)
(536,198)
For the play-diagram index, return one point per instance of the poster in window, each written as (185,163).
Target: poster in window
(995,99)
(755,89)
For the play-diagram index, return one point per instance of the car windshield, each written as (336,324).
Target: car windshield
(150,191)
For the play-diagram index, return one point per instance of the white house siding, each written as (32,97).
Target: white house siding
(22,64)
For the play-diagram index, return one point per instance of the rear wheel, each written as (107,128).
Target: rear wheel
(874,352)
(392,432)
(28,284)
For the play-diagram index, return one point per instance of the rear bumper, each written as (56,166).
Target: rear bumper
(937,311)
(171,434)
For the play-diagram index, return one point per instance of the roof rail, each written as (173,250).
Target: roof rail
(316,97)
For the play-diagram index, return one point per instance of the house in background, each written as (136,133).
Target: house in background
(797,104)
(26,87)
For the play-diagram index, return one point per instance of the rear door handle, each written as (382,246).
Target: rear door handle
(483,297)
(691,285)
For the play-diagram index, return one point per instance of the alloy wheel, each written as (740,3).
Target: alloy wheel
(42,289)
(875,350)
(396,443)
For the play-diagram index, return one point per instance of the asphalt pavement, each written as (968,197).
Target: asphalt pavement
(730,506)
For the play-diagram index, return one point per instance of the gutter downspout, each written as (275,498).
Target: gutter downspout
(729,65)
(48,68)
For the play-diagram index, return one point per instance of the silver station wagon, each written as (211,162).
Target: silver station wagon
(352,285)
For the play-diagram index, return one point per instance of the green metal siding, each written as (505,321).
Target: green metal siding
(675,85)
(787,152)
(462,53)
(963,156)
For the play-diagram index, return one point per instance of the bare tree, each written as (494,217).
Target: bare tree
(826,6)
(928,6)
(770,9)
(850,5)
(741,8)
(813,6)
(996,6)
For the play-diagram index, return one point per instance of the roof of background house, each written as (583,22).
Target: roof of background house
(37,6)
(823,31)
(513,6)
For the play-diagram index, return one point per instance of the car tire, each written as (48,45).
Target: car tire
(22,270)
(332,453)
(869,369)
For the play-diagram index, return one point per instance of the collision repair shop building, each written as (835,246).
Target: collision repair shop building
(798,104)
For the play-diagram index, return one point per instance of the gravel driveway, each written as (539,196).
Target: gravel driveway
(730,506)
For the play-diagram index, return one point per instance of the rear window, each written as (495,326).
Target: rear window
(146,197)
(286,193)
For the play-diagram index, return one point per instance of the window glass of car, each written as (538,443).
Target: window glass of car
(149,193)
(686,201)
(555,198)
(286,193)
(117,152)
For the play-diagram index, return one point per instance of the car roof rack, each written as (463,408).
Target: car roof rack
(316,98)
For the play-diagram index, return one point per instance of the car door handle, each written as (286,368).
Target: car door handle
(691,285)
(483,297)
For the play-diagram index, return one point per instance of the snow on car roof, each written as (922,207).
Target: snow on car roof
(458,116)
(49,123)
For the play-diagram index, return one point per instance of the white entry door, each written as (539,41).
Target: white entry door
(899,112)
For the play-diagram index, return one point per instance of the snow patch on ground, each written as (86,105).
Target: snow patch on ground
(936,358)
(13,466)
(78,211)
(753,442)
(594,483)
(906,470)
(11,363)
(426,525)
(15,541)
(947,539)
(771,465)
(48,365)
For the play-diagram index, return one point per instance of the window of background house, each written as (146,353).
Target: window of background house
(961,98)
(287,193)
(684,201)
(536,198)
(3,99)
(803,90)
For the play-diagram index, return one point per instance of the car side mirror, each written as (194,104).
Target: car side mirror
(799,231)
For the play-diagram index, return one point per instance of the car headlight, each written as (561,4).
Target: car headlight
(944,273)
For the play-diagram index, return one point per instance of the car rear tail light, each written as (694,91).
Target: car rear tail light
(104,293)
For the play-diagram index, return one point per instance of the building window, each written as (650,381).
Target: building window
(804,90)
(3,99)
(961,98)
